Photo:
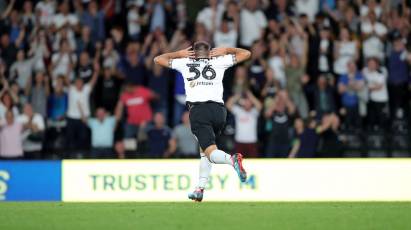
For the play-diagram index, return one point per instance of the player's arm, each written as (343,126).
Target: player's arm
(240,54)
(165,59)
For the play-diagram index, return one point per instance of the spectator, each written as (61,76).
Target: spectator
(257,66)
(21,69)
(270,89)
(344,51)
(183,142)
(310,8)
(134,19)
(225,37)
(158,81)
(276,62)
(79,107)
(110,55)
(63,61)
(398,77)
(324,97)
(350,86)
(39,50)
(232,15)
(38,93)
(240,80)
(296,79)
(371,6)
(10,137)
(85,44)
(252,23)
(305,141)
(158,15)
(28,18)
(179,98)
(84,68)
(132,66)
(94,19)
(8,50)
(326,49)
(137,100)
(108,90)
(58,101)
(159,138)
(329,144)
(64,17)
(33,134)
(211,16)
(7,104)
(102,134)
(279,116)
(373,33)
(46,9)
(246,110)
(377,85)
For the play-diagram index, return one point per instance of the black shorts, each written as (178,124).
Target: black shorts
(207,120)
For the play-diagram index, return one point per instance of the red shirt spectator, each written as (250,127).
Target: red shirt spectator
(137,101)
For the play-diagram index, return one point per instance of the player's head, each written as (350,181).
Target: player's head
(201,49)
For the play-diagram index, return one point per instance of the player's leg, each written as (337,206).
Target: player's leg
(218,156)
(204,174)
(204,171)
(219,116)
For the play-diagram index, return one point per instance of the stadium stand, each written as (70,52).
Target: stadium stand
(77,78)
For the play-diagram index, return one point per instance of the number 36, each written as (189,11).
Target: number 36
(207,73)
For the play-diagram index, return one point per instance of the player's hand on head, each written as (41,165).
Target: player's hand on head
(187,53)
(219,51)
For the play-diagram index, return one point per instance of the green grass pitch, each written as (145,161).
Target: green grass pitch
(206,215)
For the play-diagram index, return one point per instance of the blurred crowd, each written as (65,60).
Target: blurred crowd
(327,78)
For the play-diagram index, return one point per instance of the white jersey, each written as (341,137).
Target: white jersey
(203,78)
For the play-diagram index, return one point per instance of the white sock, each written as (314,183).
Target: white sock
(205,169)
(220,157)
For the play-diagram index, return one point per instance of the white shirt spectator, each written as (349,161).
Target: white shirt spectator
(47,10)
(323,61)
(276,64)
(22,70)
(79,99)
(308,7)
(134,27)
(251,25)
(346,52)
(60,20)
(246,124)
(3,111)
(205,17)
(62,67)
(365,9)
(228,39)
(37,120)
(375,78)
(373,46)
(10,139)
(71,38)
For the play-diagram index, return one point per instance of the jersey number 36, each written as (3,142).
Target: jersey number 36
(207,73)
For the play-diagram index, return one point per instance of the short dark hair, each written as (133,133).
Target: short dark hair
(201,48)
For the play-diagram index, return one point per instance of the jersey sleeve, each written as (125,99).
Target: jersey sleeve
(226,61)
(178,64)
